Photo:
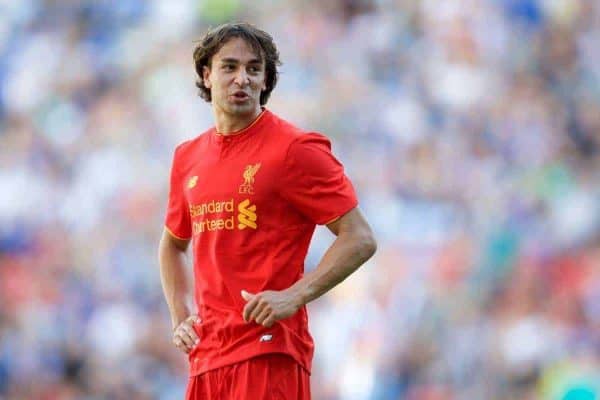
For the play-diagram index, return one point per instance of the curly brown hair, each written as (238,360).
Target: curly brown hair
(262,43)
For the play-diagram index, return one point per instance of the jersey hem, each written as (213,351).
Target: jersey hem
(195,371)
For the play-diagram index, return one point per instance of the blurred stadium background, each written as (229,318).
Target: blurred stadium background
(471,129)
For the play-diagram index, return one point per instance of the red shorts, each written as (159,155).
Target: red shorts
(266,377)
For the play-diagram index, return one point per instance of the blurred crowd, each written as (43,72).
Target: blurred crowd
(471,129)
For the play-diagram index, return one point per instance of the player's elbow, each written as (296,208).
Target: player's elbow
(366,245)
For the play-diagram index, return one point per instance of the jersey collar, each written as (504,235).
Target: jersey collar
(242,133)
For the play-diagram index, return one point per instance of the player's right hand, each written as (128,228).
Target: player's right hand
(184,335)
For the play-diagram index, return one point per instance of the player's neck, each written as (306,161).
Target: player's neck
(227,124)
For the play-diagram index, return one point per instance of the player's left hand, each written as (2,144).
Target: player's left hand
(269,306)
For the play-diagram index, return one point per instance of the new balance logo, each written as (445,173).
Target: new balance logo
(192,182)
(247,215)
(266,338)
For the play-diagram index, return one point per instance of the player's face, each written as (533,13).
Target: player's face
(236,78)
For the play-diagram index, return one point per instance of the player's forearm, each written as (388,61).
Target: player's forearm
(346,254)
(175,282)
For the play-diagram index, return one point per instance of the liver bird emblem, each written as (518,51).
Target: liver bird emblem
(249,173)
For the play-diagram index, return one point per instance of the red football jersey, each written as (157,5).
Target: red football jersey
(250,202)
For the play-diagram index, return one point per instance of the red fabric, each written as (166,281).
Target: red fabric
(250,203)
(268,377)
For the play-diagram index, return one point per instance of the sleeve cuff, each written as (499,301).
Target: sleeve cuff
(174,235)
(340,215)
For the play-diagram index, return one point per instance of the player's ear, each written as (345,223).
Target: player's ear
(206,76)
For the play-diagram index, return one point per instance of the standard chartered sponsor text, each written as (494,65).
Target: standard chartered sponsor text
(203,223)
(211,207)
(213,225)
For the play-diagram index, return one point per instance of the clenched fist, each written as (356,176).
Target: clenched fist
(184,335)
(265,308)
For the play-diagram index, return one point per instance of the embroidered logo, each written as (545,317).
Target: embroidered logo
(249,172)
(247,215)
(192,182)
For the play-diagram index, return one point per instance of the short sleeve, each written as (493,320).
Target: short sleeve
(177,220)
(314,181)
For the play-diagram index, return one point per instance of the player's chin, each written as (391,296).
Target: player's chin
(241,109)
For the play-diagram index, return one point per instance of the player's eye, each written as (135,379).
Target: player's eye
(228,67)
(254,70)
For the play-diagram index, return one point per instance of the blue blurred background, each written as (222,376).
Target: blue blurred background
(471,129)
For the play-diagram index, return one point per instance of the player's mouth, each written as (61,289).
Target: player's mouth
(240,96)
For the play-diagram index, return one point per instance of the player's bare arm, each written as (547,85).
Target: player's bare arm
(354,245)
(176,287)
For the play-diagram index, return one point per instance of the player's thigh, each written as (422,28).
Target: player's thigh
(271,377)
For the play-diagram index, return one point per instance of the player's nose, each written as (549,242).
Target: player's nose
(241,77)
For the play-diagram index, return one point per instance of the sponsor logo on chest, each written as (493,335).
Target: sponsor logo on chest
(216,215)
